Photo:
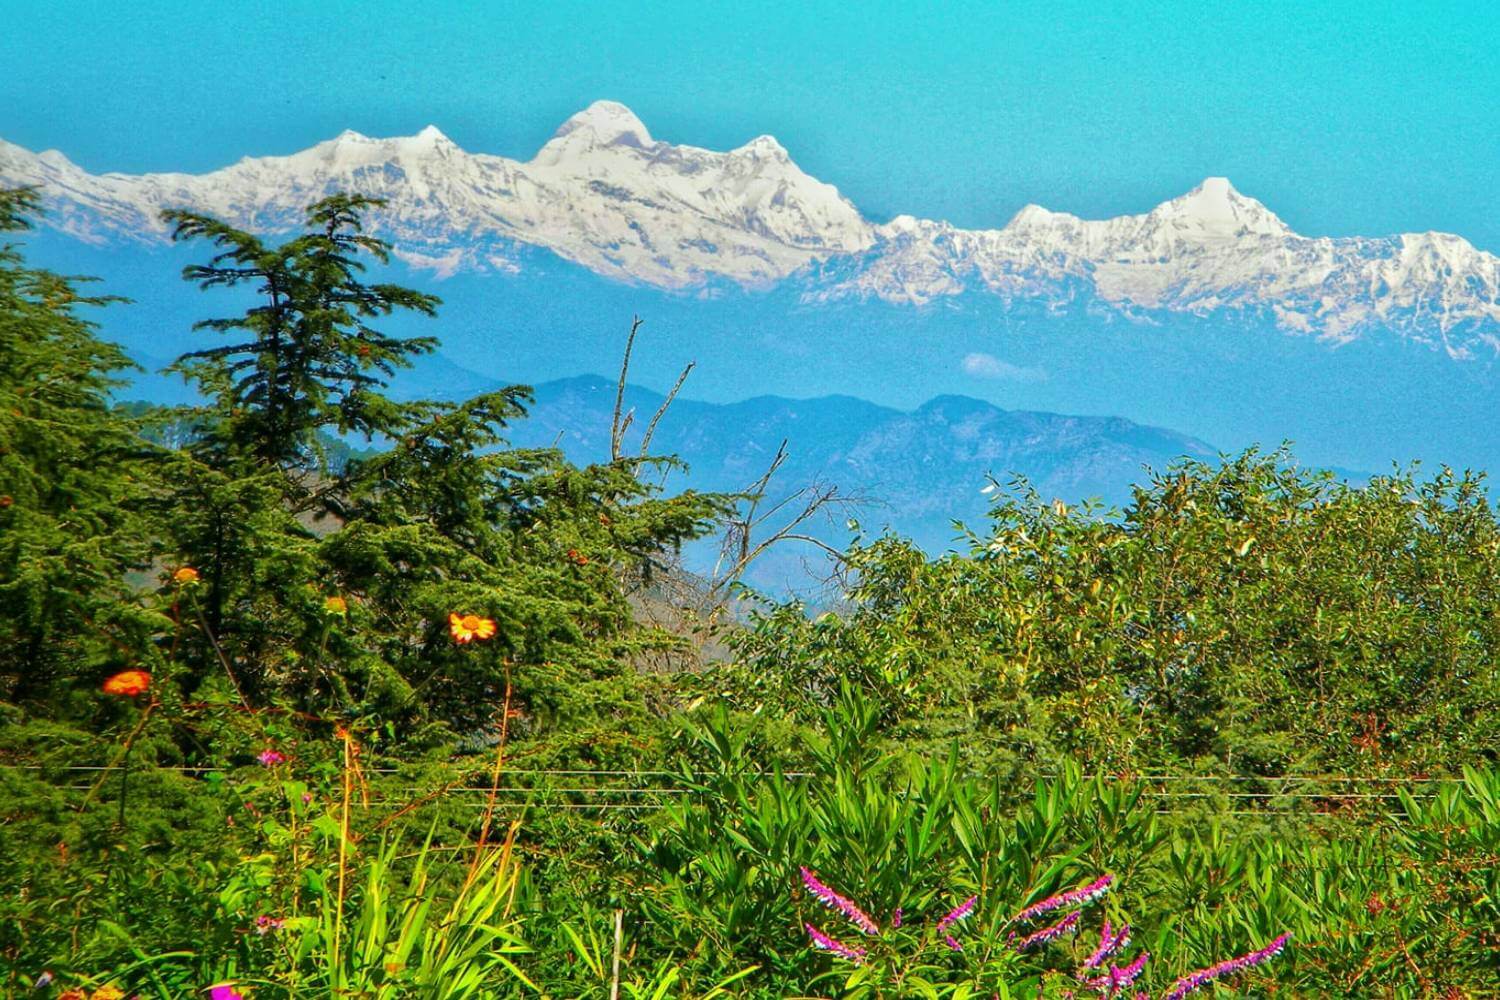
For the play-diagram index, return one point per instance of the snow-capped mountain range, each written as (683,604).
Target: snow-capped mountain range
(604,194)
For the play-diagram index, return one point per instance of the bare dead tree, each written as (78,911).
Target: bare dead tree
(616,425)
(751,531)
(684,601)
(655,419)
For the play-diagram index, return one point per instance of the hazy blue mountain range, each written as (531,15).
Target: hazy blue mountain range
(924,468)
(918,471)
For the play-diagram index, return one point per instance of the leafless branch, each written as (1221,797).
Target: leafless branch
(651,427)
(616,428)
(741,545)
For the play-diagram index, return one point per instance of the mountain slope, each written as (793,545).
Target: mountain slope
(604,194)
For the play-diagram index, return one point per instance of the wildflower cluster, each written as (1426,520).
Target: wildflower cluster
(1079,897)
(1187,984)
(953,916)
(834,901)
(1097,975)
(851,912)
(271,757)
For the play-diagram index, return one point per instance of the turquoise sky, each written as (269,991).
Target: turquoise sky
(1347,118)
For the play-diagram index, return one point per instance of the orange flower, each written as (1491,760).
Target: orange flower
(108,993)
(578,557)
(335,605)
(128,683)
(73,995)
(467,628)
(186,575)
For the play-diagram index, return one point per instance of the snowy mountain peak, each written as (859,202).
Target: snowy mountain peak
(1214,209)
(431,135)
(1034,216)
(765,146)
(603,123)
(54,157)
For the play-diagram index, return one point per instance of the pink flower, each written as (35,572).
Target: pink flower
(224,991)
(1117,978)
(1048,934)
(959,912)
(1077,897)
(842,904)
(1196,980)
(1110,943)
(826,943)
(270,758)
(265,925)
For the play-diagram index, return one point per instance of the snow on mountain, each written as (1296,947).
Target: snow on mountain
(1213,250)
(603,193)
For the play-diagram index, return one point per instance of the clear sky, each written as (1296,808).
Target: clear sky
(1360,117)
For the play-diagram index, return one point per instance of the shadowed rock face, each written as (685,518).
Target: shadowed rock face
(605,194)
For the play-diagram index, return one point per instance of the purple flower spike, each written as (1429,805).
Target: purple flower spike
(823,941)
(1124,977)
(1077,897)
(1110,943)
(1194,980)
(1051,933)
(834,901)
(1118,978)
(959,912)
(952,942)
(896,918)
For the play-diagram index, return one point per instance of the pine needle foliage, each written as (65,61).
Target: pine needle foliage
(308,357)
(73,478)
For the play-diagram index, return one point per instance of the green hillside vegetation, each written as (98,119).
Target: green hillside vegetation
(310,692)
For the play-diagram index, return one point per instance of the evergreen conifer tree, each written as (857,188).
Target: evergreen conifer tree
(307,360)
(73,480)
(446,519)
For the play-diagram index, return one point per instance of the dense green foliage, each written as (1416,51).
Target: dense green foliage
(72,482)
(400,738)
(1249,618)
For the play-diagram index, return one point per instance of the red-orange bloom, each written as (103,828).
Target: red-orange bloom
(467,628)
(128,683)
